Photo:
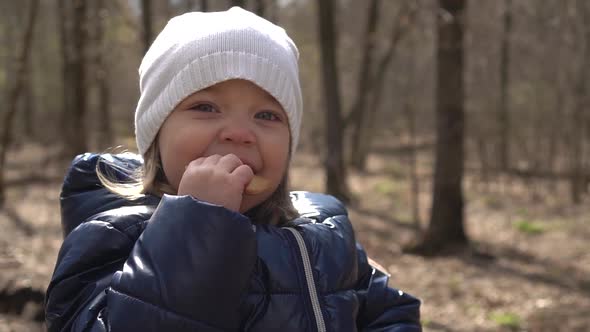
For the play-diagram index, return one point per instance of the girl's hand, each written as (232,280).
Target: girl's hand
(216,179)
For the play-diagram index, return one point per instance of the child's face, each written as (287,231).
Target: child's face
(234,116)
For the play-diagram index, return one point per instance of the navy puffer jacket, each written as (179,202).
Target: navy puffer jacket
(180,264)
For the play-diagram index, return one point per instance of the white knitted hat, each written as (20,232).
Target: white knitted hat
(197,50)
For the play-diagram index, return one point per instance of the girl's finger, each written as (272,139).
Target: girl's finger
(196,162)
(243,174)
(229,162)
(199,161)
(211,160)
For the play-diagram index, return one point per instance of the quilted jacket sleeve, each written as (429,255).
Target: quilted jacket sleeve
(187,271)
(384,309)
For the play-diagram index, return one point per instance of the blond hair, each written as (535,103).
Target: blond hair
(149,179)
(146,179)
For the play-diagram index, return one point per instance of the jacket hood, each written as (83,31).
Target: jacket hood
(83,195)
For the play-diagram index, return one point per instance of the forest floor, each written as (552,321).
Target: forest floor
(528,267)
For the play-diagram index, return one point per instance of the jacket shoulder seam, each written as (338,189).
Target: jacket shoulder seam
(111,219)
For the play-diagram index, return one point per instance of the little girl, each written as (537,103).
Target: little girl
(201,233)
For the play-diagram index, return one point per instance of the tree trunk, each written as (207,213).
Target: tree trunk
(165,9)
(260,8)
(101,74)
(503,115)
(445,230)
(72,30)
(239,3)
(204,5)
(554,134)
(358,112)
(334,162)
(482,154)
(15,92)
(413,164)
(28,108)
(586,177)
(576,179)
(272,11)
(410,115)
(79,140)
(146,19)
(188,5)
(65,29)
(577,182)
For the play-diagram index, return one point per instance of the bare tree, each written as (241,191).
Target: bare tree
(188,5)
(165,8)
(445,229)
(334,161)
(65,28)
(147,23)
(503,114)
(100,71)
(410,115)
(73,34)
(239,3)
(78,141)
(272,11)
(577,182)
(15,92)
(362,138)
(260,8)
(28,103)
(204,5)
(364,82)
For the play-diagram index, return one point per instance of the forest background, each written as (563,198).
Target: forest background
(457,131)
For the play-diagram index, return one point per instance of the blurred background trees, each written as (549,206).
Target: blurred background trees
(16,90)
(507,103)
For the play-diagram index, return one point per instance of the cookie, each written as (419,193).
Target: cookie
(257,185)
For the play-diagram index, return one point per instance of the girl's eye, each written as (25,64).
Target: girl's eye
(267,115)
(207,108)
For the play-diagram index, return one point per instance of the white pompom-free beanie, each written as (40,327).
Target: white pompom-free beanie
(197,50)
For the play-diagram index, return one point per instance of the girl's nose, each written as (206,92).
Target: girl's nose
(237,132)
